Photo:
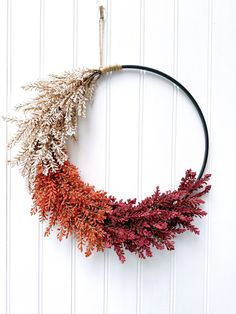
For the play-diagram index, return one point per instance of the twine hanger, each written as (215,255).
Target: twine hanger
(101,34)
(110,68)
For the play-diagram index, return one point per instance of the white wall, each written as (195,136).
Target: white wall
(140,132)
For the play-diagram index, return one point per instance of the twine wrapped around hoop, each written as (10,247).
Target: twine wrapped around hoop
(111,68)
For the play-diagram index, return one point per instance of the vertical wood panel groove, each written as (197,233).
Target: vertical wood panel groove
(40,225)
(209,103)
(173,144)
(8,155)
(75,33)
(140,145)
(73,242)
(107,58)
(73,276)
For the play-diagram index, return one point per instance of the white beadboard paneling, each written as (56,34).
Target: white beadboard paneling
(124,145)
(89,154)
(125,31)
(140,132)
(58,36)
(73,244)
(56,256)
(157,139)
(193,73)
(40,225)
(222,232)
(4,184)
(22,229)
(87,30)
(94,173)
(209,208)
(159,32)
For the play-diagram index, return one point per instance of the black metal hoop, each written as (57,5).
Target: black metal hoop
(188,94)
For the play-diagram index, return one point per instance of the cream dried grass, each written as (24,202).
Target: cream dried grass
(51,118)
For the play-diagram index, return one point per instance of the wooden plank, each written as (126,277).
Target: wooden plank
(158,113)
(56,257)
(4,61)
(192,71)
(124,168)
(222,251)
(89,154)
(22,255)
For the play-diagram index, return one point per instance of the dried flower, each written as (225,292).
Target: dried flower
(75,207)
(100,221)
(52,117)
(156,220)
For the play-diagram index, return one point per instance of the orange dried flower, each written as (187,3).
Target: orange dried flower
(65,200)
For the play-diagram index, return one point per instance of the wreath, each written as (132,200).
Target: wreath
(63,199)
